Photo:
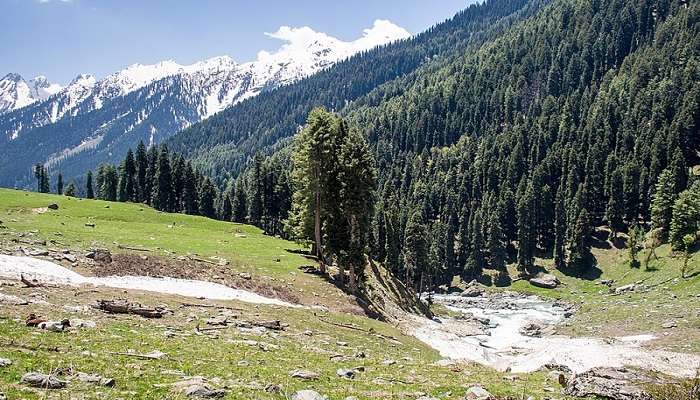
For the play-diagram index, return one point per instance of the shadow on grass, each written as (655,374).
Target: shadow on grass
(588,270)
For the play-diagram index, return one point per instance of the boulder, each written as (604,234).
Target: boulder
(204,392)
(103,256)
(478,393)
(532,328)
(307,395)
(624,289)
(95,379)
(608,383)
(345,373)
(42,381)
(472,291)
(302,374)
(52,206)
(4,362)
(547,281)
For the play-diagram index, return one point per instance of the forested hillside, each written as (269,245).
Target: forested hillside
(580,116)
(225,143)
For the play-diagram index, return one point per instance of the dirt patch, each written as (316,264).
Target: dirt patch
(153,266)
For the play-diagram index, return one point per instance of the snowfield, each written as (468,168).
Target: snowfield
(12,267)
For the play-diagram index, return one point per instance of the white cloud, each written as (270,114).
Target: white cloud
(300,39)
(54,1)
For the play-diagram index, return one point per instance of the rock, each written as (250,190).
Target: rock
(478,393)
(54,326)
(4,362)
(52,206)
(345,373)
(669,324)
(608,383)
(69,257)
(302,374)
(532,328)
(11,300)
(245,276)
(204,392)
(43,381)
(557,376)
(547,281)
(307,395)
(83,323)
(273,388)
(427,398)
(103,256)
(472,291)
(388,362)
(607,282)
(624,289)
(360,354)
(95,379)
(39,253)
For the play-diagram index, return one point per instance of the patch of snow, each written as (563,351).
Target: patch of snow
(46,271)
(505,348)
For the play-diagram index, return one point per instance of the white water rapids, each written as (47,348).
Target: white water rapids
(500,344)
(12,267)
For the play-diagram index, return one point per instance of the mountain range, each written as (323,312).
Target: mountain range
(89,121)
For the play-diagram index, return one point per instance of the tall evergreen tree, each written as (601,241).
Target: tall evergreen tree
(141,163)
(89,189)
(526,231)
(59,184)
(207,196)
(662,203)
(163,185)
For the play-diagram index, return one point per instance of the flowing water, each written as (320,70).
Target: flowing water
(489,332)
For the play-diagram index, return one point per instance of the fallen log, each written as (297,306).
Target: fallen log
(125,307)
(30,284)
(133,248)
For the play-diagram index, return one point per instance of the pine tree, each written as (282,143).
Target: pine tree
(238,204)
(559,231)
(579,245)
(685,218)
(526,231)
(614,211)
(635,235)
(141,163)
(476,260)
(59,184)
(89,190)
(662,202)
(415,247)
(496,243)
(128,175)
(151,171)
(71,190)
(163,186)
(189,191)
(207,196)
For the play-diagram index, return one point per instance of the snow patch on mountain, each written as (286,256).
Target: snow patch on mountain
(17,93)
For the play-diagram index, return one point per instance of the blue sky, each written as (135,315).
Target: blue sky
(61,38)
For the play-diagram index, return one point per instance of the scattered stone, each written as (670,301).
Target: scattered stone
(52,206)
(102,256)
(608,383)
(54,326)
(624,289)
(308,332)
(10,300)
(245,276)
(345,373)
(472,291)
(89,225)
(547,281)
(533,329)
(308,395)
(204,392)
(360,354)
(84,323)
(219,320)
(342,344)
(70,257)
(607,282)
(42,381)
(669,324)
(95,379)
(302,374)
(478,393)
(273,388)
(557,376)
(4,362)
(388,362)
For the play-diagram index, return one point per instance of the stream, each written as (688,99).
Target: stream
(487,329)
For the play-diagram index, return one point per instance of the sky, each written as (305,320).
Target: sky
(62,38)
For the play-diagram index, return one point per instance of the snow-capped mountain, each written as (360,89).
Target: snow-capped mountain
(92,121)
(16,93)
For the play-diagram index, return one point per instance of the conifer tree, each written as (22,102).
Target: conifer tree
(207,196)
(71,190)
(579,245)
(526,231)
(238,204)
(59,184)
(685,218)
(415,247)
(189,191)
(559,231)
(636,235)
(162,183)
(614,211)
(141,163)
(662,202)
(89,189)
(151,171)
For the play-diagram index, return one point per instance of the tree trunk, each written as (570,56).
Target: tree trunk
(317,232)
